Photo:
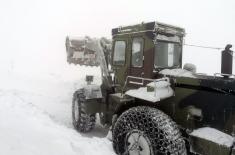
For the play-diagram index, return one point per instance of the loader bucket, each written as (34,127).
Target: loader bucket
(81,51)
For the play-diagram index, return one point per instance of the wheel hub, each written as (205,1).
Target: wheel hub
(137,144)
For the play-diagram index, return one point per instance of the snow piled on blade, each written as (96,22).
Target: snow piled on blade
(214,135)
(35,117)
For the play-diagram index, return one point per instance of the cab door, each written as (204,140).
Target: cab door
(141,64)
(137,57)
(120,59)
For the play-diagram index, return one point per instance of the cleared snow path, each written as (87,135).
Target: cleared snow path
(35,119)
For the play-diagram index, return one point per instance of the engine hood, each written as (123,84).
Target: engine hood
(185,78)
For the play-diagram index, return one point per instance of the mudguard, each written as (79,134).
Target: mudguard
(92,91)
(93,97)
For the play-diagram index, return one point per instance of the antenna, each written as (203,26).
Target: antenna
(200,46)
(208,47)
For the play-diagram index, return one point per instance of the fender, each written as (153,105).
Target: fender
(92,91)
(93,98)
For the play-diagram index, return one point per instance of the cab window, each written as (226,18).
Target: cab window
(167,54)
(137,52)
(119,53)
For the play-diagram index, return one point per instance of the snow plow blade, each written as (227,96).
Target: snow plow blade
(84,50)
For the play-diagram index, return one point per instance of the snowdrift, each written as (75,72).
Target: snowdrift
(35,118)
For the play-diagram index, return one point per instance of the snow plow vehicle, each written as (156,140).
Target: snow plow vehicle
(153,104)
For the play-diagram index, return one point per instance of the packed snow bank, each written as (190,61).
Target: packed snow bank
(214,135)
(35,116)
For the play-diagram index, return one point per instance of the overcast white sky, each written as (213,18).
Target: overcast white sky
(32,32)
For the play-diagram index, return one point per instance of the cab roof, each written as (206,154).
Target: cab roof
(155,27)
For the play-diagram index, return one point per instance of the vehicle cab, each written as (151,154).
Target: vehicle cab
(144,49)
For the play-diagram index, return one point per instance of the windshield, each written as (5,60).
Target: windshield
(167,54)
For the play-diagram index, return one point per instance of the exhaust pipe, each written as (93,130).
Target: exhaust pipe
(227,61)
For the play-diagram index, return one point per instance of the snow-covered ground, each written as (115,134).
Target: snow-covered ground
(35,115)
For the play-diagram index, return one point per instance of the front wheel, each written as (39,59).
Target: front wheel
(82,121)
(147,131)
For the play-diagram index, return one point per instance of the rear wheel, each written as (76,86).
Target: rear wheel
(147,131)
(82,121)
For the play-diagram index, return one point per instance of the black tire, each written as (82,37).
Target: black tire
(82,121)
(159,129)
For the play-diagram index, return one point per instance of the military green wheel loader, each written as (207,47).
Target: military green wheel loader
(153,104)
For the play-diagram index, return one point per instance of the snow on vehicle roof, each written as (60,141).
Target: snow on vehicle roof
(177,72)
(214,135)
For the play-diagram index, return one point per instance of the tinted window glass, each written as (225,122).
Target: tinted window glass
(119,53)
(137,52)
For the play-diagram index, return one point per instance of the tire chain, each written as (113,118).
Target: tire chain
(162,131)
(86,122)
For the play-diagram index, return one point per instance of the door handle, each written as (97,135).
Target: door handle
(142,74)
